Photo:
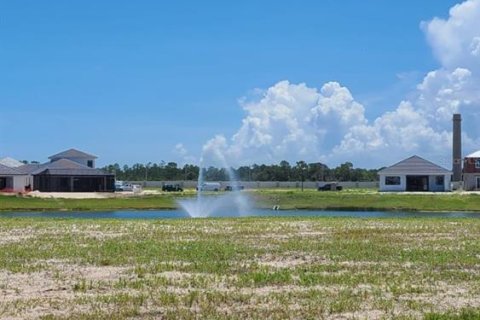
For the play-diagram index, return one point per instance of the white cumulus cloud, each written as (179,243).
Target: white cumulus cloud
(455,40)
(293,121)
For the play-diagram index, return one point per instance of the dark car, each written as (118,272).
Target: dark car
(172,188)
(234,188)
(330,187)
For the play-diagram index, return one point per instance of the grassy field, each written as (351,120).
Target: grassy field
(19,203)
(244,268)
(286,199)
(364,199)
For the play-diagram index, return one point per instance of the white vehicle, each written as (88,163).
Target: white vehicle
(123,186)
(209,186)
(136,188)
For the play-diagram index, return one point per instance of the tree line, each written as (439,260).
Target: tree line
(284,171)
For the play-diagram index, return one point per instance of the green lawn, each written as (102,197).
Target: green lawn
(243,268)
(18,203)
(367,200)
(286,199)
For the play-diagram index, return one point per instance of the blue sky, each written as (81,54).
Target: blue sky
(129,81)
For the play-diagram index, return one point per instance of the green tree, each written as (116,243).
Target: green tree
(284,171)
(344,171)
(301,169)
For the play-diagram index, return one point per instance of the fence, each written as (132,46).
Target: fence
(263,184)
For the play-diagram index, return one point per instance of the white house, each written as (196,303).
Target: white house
(415,174)
(12,179)
(67,171)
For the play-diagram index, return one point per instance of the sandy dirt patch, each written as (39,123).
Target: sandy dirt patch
(89,195)
(36,294)
(15,235)
(292,261)
(70,195)
(58,281)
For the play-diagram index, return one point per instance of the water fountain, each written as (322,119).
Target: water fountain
(206,204)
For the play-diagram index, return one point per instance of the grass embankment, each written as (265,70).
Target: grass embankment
(367,200)
(256,268)
(14,203)
(286,199)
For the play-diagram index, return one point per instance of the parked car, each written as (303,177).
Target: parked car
(209,186)
(234,188)
(330,187)
(118,185)
(123,186)
(172,188)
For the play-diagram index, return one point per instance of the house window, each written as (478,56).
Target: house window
(392,180)
(439,180)
(477,163)
(90,163)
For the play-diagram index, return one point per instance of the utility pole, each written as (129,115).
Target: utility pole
(146,174)
(301,168)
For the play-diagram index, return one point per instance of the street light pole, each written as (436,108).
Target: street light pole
(303,178)
(146,175)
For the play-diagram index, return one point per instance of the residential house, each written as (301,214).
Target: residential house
(68,171)
(471,171)
(415,174)
(12,180)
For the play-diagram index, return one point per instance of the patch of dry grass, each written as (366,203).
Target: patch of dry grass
(273,268)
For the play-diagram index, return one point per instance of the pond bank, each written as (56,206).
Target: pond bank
(349,200)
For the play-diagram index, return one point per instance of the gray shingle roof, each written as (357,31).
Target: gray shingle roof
(72,153)
(75,172)
(61,167)
(66,167)
(28,168)
(7,171)
(415,166)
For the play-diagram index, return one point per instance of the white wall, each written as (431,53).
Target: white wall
(401,187)
(403,183)
(264,184)
(19,183)
(448,182)
(436,188)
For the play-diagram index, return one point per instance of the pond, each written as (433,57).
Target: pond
(176,214)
